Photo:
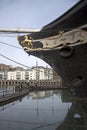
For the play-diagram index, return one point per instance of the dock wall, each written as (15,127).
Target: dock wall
(32,83)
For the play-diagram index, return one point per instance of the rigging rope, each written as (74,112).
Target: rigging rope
(24,65)
(10,45)
(13,61)
(16,61)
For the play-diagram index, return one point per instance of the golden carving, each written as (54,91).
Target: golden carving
(60,33)
(73,37)
(28,41)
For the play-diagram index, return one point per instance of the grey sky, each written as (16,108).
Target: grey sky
(27,14)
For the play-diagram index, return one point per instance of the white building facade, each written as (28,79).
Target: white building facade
(35,73)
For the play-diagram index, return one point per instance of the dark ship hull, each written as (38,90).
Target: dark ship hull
(63,45)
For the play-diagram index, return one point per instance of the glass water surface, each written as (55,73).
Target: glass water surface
(43,110)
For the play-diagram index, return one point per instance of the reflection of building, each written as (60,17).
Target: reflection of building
(41,94)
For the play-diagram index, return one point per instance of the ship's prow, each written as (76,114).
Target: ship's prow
(63,45)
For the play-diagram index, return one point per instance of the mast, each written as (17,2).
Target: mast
(18,30)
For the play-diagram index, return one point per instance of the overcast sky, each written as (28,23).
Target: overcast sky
(27,14)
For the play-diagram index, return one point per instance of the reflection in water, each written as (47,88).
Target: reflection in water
(49,110)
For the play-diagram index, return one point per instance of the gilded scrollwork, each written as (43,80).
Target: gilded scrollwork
(71,38)
(28,41)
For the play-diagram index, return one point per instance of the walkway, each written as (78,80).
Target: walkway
(11,97)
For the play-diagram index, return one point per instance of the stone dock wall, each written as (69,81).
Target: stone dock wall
(32,83)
